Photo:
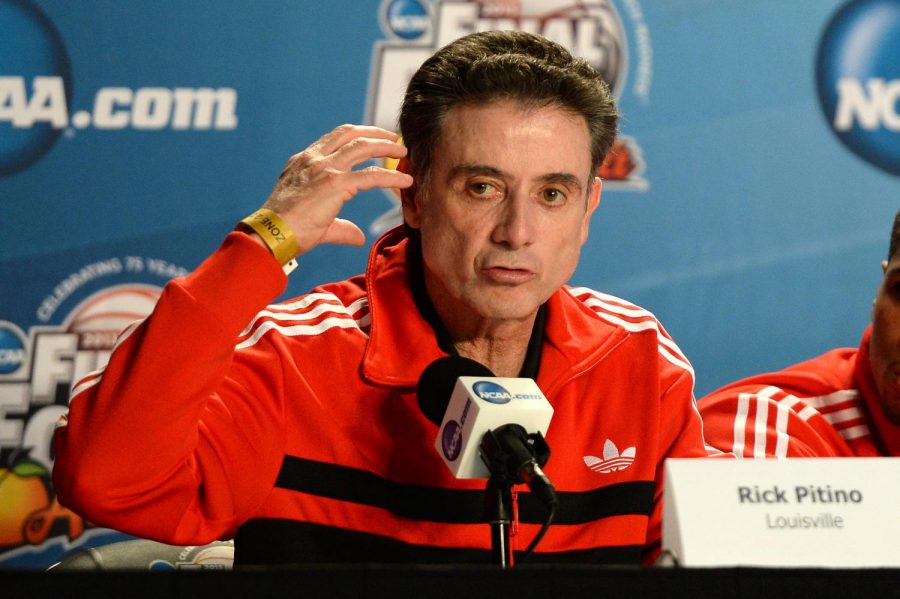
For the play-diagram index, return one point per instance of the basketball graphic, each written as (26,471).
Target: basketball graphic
(110,310)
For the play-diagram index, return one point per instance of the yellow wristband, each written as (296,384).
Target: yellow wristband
(275,233)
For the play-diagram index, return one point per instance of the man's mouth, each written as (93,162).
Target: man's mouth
(506,275)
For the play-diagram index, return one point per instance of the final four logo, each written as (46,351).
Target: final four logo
(590,29)
(81,318)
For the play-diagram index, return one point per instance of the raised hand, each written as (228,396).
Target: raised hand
(316,183)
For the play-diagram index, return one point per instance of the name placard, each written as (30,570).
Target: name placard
(802,512)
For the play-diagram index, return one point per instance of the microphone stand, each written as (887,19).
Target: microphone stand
(498,513)
(508,451)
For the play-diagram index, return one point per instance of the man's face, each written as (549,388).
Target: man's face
(885,344)
(505,210)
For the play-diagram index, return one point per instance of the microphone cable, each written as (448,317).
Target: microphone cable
(540,535)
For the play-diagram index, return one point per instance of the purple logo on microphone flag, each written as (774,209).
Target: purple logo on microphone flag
(451,440)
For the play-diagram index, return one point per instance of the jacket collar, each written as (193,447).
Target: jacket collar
(402,343)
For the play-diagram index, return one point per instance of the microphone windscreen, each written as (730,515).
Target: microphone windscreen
(438,380)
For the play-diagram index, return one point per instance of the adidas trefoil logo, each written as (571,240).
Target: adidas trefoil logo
(612,459)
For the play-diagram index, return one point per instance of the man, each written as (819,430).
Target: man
(841,404)
(300,434)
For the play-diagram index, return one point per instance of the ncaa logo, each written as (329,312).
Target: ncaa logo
(492,392)
(36,90)
(32,49)
(406,19)
(12,348)
(858,80)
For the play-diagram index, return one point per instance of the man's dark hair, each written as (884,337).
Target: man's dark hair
(895,237)
(503,65)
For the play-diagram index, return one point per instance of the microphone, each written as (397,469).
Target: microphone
(437,381)
(515,456)
(484,434)
(484,421)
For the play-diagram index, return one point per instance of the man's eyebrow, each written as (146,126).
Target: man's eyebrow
(566,179)
(475,169)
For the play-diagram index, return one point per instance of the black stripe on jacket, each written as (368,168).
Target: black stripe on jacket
(454,505)
(265,541)
(277,541)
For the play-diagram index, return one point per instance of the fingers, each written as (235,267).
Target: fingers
(376,177)
(311,170)
(358,150)
(362,149)
(343,232)
(339,136)
(350,145)
(317,182)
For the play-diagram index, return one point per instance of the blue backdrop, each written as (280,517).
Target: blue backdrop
(749,205)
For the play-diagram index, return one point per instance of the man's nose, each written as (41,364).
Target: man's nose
(515,225)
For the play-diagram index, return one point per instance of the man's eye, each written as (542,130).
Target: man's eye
(482,189)
(554,196)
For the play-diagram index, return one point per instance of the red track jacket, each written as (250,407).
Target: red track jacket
(299,433)
(824,407)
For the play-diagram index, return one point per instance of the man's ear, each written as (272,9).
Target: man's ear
(884,266)
(409,197)
(592,203)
